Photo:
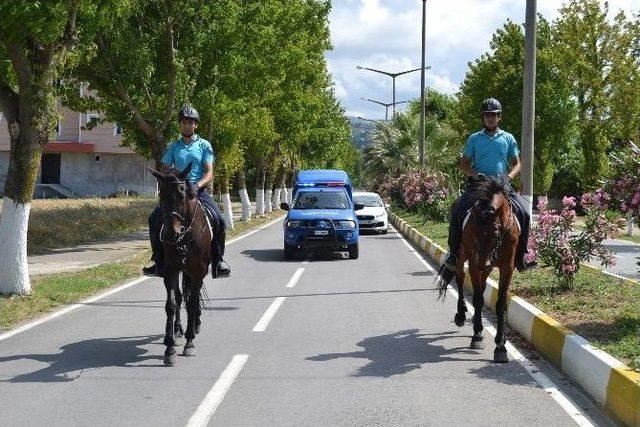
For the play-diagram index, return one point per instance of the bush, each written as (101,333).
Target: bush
(419,191)
(554,242)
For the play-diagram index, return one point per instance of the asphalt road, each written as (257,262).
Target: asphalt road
(327,342)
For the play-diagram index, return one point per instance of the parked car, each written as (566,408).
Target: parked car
(322,214)
(374,215)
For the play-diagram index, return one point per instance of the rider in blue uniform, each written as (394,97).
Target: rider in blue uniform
(491,152)
(191,148)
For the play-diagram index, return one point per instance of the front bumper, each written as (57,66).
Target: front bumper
(320,238)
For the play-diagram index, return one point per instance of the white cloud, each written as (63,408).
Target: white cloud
(386,34)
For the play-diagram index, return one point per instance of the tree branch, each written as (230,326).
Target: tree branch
(171,76)
(68,38)
(144,126)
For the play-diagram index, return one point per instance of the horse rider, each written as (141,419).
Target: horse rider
(494,153)
(191,148)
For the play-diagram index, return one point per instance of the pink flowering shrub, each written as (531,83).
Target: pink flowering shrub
(419,191)
(554,241)
(624,183)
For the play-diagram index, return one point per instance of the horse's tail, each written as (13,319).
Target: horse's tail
(444,277)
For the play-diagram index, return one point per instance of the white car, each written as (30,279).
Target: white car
(374,215)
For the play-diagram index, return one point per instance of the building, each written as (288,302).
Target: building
(81,162)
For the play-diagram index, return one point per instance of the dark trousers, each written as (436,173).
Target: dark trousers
(217,224)
(464,203)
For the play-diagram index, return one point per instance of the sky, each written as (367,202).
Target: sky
(386,35)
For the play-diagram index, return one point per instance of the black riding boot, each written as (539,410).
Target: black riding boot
(219,268)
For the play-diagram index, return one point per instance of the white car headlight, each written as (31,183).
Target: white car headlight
(382,215)
(347,224)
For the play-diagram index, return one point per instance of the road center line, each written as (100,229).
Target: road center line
(295,278)
(211,401)
(543,380)
(262,324)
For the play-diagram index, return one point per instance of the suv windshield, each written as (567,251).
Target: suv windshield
(368,201)
(321,200)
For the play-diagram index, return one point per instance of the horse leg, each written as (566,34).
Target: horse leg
(478,303)
(193,304)
(500,353)
(178,332)
(460,316)
(171,286)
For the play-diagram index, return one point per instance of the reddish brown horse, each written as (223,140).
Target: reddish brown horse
(489,239)
(186,238)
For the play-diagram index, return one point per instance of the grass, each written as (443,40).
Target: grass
(52,291)
(601,308)
(70,222)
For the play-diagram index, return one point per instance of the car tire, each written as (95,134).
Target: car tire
(384,231)
(354,252)
(289,251)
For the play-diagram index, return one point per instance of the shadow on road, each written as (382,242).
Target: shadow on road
(406,350)
(85,355)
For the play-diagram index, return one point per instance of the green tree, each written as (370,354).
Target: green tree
(38,40)
(591,53)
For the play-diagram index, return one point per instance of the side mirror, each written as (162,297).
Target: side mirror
(284,206)
(358,206)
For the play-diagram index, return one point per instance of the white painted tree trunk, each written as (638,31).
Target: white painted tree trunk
(246,205)
(268,201)
(259,201)
(284,197)
(228,212)
(289,195)
(629,224)
(276,198)
(14,269)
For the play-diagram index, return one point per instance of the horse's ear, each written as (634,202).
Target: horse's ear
(185,172)
(155,173)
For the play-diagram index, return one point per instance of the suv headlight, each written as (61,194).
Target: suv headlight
(293,223)
(346,224)
(382,215)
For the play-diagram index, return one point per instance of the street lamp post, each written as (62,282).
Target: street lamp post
(529,103)
(393,77)
(385,104)
(422,97)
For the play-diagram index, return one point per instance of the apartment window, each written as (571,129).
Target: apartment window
(97,159)
(117,129)
(58,128)
(93,118)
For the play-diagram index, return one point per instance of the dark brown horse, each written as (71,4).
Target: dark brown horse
(489,239)
(186,237)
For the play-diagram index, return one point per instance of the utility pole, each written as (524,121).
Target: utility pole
(393,77)
(529,103)
(422,97)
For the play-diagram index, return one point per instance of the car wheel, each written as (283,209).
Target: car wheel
(289,251)
(353,251)
(384,231)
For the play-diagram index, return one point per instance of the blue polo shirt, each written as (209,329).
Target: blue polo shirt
(490,155)
(198,152)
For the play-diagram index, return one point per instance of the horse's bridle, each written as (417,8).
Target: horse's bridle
(493,256)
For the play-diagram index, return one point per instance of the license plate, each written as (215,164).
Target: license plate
(321,232)
(366,221)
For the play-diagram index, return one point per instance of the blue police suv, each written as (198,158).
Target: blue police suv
(322,214)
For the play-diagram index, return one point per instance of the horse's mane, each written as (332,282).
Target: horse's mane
(481,194)
(171,177)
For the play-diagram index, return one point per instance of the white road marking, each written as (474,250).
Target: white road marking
(211,401)
(544,381)
(71,308)
(262,324)
(106,294)
(295,278)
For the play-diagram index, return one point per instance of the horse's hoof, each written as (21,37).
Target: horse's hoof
(189,349)
(170,359)
(500,356)
(459,318)
(178,340)
(476,343)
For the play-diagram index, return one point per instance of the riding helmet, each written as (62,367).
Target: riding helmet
(188,112)
(491,105)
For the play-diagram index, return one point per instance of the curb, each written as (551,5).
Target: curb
(615,386)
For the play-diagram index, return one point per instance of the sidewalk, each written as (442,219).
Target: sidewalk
(93,254)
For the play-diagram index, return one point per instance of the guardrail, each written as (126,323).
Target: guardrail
(610,382)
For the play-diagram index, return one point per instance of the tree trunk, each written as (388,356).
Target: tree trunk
(244,196)
(269,176)
(291,177)
(28,131)
(277,191)
(226,201)
(260,175)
